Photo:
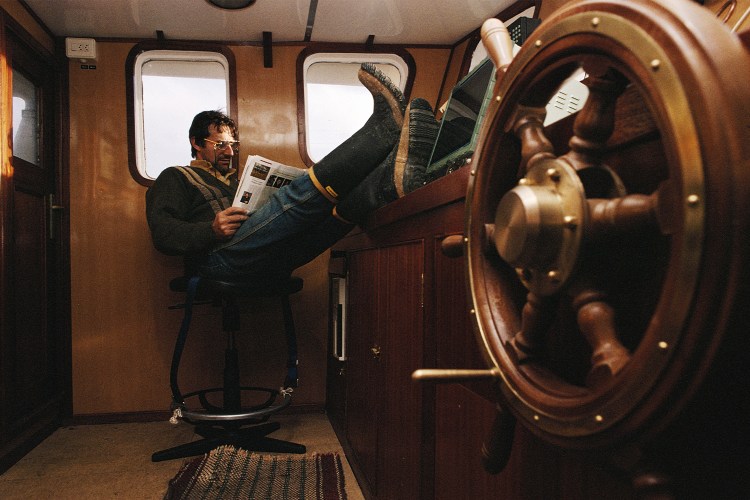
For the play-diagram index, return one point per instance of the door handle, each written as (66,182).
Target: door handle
(54,209)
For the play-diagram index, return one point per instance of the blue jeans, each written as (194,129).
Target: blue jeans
(292,228)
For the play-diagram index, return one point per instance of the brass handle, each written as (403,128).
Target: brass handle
(375,350)
(453,375)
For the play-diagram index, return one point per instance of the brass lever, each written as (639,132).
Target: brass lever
(453,375)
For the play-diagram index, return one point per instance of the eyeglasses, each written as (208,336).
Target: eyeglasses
(222,145)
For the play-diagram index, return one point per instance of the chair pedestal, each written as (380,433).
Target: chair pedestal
(249,438)
(231,423)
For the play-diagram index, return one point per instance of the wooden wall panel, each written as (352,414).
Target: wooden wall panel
(123,333)
(267,102)
(431,64)
(118,282)
(453,71)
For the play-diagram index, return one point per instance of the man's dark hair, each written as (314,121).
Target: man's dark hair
(199,129)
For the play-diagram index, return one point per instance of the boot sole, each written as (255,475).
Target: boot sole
(373,80)
(402,154)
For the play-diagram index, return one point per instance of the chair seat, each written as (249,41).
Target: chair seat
(258,287)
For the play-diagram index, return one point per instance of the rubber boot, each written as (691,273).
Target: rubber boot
(414,149)
(348,164)
(401,172)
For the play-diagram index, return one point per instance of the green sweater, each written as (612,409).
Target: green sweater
(180,211)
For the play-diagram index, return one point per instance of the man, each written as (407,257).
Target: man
(189,208)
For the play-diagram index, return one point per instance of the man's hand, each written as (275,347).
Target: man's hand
(228,221)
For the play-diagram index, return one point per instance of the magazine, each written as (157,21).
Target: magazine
(260,179)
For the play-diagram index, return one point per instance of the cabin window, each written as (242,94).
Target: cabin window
(335,103)
(25,121)
(169,88)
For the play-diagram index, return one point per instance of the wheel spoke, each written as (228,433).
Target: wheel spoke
(635,213)
(536,318)
(596,321)
(595,122)
(528,126)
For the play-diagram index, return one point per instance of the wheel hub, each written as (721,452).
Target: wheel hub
(539,225)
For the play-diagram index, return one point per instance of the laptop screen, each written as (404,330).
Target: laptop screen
(459,127)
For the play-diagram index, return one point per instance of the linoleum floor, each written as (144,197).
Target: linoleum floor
(114,460)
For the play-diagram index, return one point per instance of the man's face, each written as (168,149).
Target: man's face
(212,152)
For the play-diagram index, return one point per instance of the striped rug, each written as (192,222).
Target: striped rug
(231,473)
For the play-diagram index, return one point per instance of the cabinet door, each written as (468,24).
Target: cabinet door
(402,322)
(385,325)
(362,384)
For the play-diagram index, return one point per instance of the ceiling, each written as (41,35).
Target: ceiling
(346,21)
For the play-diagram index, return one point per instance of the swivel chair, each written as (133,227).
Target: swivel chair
(231,423)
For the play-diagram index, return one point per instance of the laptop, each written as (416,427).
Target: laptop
(462,120)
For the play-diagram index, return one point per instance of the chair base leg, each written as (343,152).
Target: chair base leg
(250,438)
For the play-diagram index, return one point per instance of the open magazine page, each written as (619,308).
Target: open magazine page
(260,179)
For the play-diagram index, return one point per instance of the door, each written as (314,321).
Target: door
(401,306)
(363,366)
(385,345)
(34,331)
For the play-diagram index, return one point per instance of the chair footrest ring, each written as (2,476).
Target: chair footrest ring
(254,413)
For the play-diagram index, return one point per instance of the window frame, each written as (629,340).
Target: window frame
(131,73)
(342,52)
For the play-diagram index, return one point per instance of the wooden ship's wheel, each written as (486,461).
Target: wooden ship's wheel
(607,254)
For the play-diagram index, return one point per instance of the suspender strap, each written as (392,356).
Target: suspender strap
(212,194)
